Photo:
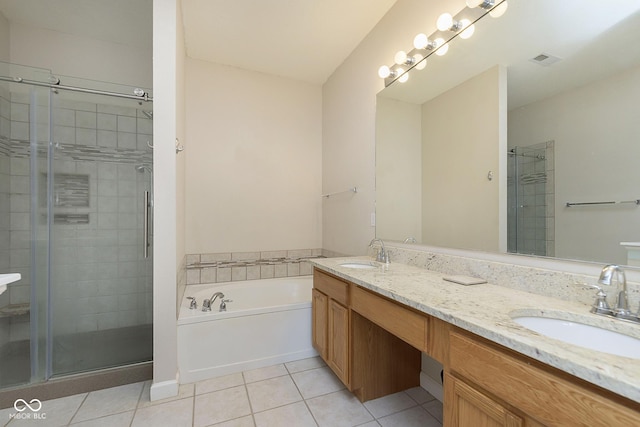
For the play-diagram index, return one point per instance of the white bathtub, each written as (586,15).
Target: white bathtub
(268,322)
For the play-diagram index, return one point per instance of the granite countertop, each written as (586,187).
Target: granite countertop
(486,310)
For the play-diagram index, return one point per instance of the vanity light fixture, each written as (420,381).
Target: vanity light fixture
(385,72)
(449,26)
(495,12)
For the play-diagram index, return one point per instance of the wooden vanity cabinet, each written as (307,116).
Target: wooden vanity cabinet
(374,345)
(486,381)
(330,331)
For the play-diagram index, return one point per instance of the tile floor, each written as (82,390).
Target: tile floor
(301,393)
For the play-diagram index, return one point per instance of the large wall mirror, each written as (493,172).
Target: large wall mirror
(524,138)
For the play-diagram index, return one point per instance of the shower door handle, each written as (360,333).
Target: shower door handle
(146,225)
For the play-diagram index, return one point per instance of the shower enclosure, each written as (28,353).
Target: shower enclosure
(75,220)
(530,196)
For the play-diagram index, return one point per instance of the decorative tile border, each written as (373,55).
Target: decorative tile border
(237,266)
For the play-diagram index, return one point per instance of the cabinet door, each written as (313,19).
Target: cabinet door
(319,322)
(339,340)
(468,407)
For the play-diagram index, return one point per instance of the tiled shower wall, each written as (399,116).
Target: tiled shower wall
(99,277)
(236,266)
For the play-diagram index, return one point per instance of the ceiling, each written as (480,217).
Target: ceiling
(300,39)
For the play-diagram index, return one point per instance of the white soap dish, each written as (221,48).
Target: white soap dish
(464,280)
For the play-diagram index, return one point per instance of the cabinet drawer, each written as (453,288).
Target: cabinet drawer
(551,398)
(331,286)
(402,322)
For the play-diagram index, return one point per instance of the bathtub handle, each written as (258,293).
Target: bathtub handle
(223,304)
(193,304)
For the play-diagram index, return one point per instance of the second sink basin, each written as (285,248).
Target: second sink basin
(359,264)
(580,334)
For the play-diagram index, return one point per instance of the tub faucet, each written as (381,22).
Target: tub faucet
(206,304)
(606,276)
(382,255)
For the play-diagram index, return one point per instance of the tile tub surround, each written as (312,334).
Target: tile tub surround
(484,310)
(237,266)
(300,393)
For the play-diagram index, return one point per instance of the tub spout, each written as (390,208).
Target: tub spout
(206,304)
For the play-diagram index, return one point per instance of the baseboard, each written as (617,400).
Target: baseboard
(164,389)
(432,386)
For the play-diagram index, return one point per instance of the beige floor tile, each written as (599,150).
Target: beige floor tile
(370,424)
(434,408)
(109,401)
(295,414)
(219,383)
(414,417)
(178,413)
(271,393)
(420,395)
(56,412)
(390,404)
(304,364)
(339,409)
(118,420)
(264,373)
(185,390)
(219,406)
(316,382)
(238,422)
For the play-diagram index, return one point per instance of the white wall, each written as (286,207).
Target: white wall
(253,173)
(348,131)
(70,55)
(593,162)
(167,93)
(461,145)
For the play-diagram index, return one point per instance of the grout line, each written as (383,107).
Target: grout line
(77,410)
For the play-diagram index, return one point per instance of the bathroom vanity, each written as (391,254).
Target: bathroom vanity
(371,325)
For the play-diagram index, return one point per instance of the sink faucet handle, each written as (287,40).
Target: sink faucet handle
(600,305)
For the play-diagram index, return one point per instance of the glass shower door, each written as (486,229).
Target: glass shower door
(24,224)
(101,275)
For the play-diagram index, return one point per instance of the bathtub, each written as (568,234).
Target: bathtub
(267,322)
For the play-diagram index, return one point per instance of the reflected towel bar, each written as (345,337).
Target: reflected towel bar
(613,202)
(352,189)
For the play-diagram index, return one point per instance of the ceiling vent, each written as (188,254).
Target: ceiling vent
(545,59)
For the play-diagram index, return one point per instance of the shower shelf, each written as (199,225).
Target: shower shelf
(14,310)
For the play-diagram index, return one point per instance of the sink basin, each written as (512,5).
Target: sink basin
(587,336)
(360,265)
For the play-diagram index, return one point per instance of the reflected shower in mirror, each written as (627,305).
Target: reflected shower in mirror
(527,146)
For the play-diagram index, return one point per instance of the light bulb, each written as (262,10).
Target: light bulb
(384,72)
(401,57)
(420,61)
(444,22)
(403,77)
(499,10)
(468,29)
(474,3)
(443,47)
(420,41)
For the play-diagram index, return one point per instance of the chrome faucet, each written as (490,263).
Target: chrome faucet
(606,277)
(621,309)
(382,255)
(206,304)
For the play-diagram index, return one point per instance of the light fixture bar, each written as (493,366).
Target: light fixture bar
(461,24)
